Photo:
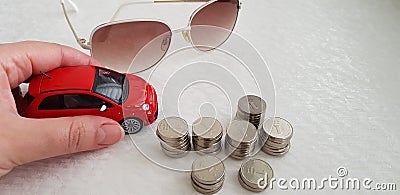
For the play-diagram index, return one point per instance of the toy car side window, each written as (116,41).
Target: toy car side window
(82,101)
(51,103)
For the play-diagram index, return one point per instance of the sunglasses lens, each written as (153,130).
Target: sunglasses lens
(117,45)
(213,24)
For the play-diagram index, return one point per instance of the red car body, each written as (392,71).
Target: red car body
(90,90)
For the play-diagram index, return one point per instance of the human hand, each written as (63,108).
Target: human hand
(24,140)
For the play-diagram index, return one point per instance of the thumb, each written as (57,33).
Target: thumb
(45,138)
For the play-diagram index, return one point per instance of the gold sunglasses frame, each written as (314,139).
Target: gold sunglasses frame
(87,45)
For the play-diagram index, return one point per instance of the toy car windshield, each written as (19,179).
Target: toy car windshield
(111,85)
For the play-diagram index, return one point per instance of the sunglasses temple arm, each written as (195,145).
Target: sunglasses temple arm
(127,4)
(179,1)
(81,41)
(151,2)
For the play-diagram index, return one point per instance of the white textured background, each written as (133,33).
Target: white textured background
(336,69)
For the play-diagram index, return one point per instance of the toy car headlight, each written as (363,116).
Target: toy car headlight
(145,107)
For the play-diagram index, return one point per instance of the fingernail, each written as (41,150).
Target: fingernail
(109,134)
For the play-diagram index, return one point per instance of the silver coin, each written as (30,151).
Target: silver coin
(172,128)
(174,137)
(206,145)
(256,120)
(240,146)
(238,157)
(252,104)
(278,128)
(208,169)
(228,148)
(178,150)
(277,140)
(184,147)
(245,186)
(211,187)
(183,141)
(212,148)
(277,149)
(207,128)
(242,131)
(207,135)
(206,191)
(237,154)
(244,149)
(209,151)
(174,154)
(274,152)
(254,171)
(233,147)
(165,139)
(203,141)
(245,116)
(272,144)
(262,137)
(199,141)
(239,151)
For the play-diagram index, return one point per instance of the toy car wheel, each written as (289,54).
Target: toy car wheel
(132,125)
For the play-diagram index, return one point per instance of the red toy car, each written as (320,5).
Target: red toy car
(90,90)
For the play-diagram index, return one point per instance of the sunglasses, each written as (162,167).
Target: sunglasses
(117,43)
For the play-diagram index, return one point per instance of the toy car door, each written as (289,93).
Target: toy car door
(75,104)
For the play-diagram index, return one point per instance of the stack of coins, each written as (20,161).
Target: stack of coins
(206,135)
(255,175)
(241,139)
(251,108)
(276,134)
(174,137)
(208,174)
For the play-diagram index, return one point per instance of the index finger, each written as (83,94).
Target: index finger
(21,60)
(18,61)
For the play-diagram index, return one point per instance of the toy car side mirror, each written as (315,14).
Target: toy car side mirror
(103,108)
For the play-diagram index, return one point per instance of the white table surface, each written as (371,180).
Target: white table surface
(335,66)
